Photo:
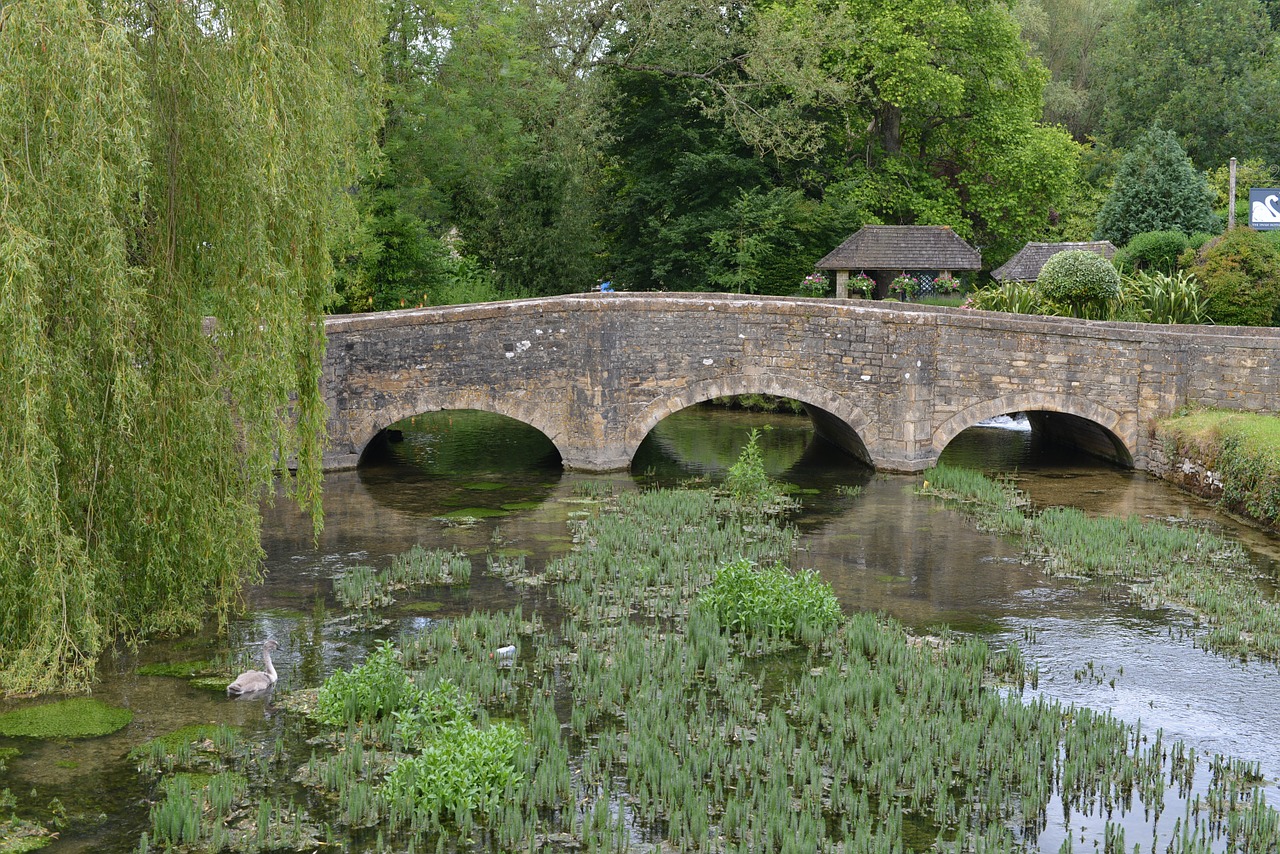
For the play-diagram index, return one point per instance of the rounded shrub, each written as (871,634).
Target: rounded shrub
(1239,275)
(1082,281)
(1153,250)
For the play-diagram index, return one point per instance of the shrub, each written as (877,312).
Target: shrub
(1153,250)
(1082,281)
(1016,297)
(1156,297)
(770,601)
(1239,273)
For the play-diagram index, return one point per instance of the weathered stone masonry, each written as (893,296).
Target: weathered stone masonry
(892,383)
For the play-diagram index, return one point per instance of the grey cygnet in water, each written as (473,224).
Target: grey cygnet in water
(252,681)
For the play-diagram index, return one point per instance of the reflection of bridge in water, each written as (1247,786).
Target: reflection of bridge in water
(890,383)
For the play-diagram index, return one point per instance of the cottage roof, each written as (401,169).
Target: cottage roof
(1025,265)
(903,247)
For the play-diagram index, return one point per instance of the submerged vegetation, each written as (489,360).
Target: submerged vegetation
(1183,566)
(78,717)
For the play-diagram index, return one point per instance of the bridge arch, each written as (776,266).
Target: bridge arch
(462,400)
(1093,427)
(834,417)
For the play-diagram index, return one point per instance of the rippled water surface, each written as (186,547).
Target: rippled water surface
(479,482)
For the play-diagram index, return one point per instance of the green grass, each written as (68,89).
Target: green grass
(1242,447)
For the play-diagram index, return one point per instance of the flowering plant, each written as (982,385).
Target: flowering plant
(946,284)
(864,284)
(814,285)
(906,286)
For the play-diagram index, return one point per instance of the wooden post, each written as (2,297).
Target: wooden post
(1231,198)
(842,284)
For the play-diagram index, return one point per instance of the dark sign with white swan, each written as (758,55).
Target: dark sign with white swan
(1264,208)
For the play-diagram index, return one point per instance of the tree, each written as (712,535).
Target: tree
(1066,35)
(932,107)
(160,162)
(1206,71)
(1156,189)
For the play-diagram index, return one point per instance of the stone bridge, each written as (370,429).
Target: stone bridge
(891,383)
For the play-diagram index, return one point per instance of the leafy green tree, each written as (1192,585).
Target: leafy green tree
(1206,71)
(932,108)
(1156,189)
(1065,35)
(160,162)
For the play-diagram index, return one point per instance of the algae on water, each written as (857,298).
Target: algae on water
(79,717)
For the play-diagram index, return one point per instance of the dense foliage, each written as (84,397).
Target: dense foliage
(1156,189)
(1083,281)
(160,162)
(1240,275)
(1152,250)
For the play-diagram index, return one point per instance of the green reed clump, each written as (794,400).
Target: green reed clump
(996,506)
(770,601)
(1179,565)
(365,588)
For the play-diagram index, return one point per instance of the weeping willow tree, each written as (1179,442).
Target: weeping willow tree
(161,161)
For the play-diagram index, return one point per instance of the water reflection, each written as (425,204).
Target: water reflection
(882,550)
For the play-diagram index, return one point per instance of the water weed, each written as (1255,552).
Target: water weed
(1181,566)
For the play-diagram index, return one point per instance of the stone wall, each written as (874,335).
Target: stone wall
(892,382)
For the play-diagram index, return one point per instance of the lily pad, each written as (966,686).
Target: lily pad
(79,717)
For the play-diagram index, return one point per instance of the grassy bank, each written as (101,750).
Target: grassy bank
(1242,448)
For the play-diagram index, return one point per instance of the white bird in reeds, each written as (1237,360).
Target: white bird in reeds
(253,681)
(504,655)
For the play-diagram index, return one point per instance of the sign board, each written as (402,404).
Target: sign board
(1264,208)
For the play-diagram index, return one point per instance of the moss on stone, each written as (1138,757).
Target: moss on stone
(80,717)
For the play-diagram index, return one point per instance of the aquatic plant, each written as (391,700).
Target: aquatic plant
(365,588)
(1178,565)
(375,689)
(770,601)
(78,717)
(459,769)
(748,484)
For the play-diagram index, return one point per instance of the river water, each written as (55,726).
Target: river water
(479,482)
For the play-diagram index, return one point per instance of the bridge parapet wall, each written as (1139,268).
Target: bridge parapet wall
(596,372)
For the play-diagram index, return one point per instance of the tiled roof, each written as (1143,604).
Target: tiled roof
(1025,265)
(903,247)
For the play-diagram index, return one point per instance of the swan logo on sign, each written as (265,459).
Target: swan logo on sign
(1264,208)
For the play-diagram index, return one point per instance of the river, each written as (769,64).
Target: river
(477,482)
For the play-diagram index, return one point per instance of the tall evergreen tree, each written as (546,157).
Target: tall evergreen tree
(159,162)
(1156,189)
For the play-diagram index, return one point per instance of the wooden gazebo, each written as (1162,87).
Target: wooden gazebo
(886,251)
(1025,265)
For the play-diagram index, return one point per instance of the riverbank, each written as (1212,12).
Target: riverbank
(1230,457)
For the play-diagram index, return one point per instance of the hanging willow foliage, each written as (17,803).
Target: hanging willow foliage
(159,162)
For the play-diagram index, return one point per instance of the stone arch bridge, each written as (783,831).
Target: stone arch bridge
(891,383)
